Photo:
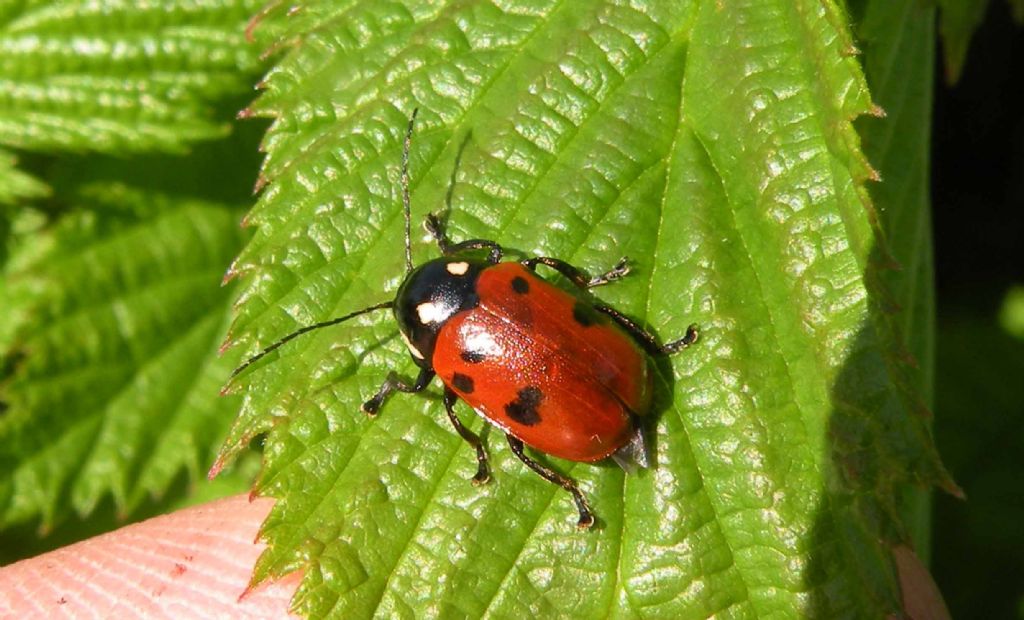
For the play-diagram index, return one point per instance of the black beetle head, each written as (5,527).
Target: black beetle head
(430,295)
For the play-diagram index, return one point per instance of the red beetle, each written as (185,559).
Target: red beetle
(561,374)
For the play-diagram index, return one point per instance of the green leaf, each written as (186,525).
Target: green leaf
(960,18)
(16,185)
(112,375)
(712,143)
(1017,9)
(899,44)
(118,76)
(978,405)
(1011,313)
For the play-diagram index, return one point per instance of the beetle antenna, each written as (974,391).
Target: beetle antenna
(406,207)
(309,328)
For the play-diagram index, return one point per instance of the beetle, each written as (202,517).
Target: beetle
(565,375)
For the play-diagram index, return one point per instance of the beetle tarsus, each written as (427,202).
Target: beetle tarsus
(392,383)
(617,272)
(372,406)
(435,229)
(647,340)
(586,521)
(691,336)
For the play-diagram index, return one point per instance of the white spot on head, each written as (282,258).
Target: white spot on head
(457,269)
(415,352)
(429,312)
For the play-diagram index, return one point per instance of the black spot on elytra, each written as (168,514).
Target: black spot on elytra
(462,383)
(473,357)
(524,408)
(520,285)
(584,314)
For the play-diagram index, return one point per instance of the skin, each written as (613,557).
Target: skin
(921,597)
(194,563)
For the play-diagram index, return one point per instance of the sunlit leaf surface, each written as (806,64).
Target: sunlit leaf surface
(712,143)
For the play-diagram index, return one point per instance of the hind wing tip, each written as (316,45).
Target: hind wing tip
(633,455)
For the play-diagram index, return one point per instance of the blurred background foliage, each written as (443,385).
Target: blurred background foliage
(123,178)
(977,194)
(978,204)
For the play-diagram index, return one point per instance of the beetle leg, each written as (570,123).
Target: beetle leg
(394,382)
(645,339)
(436,230)
(576,275)
(482,471)
(586,516)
